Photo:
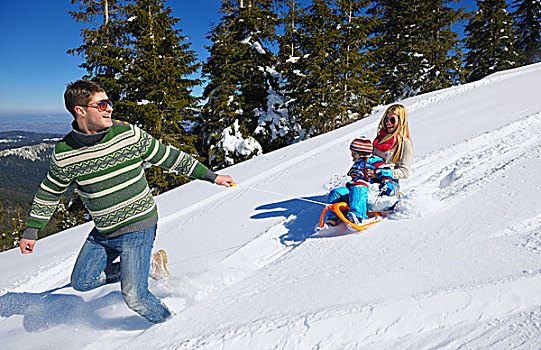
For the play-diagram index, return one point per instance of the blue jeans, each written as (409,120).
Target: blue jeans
(94,268)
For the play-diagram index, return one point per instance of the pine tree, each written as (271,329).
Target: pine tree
(224,102)
(239,73)
(442,46)
(104,47)
(354,72)
(289,41)
(157,84)
(313,81)
(489,40)
(4,243)
(18,223)
(416,48)
(327,67)
(276,126)
(70,212)
(396,47)
(290,65)
(528,22)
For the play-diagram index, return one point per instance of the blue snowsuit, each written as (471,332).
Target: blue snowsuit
(355,193)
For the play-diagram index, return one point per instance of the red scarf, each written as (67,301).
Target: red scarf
(384,146)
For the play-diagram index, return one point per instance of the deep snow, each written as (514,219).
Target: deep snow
(458,266)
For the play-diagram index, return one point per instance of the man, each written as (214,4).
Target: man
(104,158)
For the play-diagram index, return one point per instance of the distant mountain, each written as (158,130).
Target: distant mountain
(33,153)
(18,139)
(24,161)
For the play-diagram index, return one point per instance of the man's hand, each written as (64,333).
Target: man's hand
(27,245)
(224,180)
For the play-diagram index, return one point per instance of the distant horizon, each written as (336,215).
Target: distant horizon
(53,123)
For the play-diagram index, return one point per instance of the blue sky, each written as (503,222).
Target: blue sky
(34,38)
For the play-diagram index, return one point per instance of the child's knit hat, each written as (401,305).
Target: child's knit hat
(362,145)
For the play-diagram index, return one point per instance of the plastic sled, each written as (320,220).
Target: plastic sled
(338,209)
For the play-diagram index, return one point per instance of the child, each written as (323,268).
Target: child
(356,191)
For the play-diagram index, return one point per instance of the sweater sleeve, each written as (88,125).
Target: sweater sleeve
(156,153)
(46,200)
(402,169)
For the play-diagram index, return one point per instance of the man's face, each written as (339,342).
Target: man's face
(90,119)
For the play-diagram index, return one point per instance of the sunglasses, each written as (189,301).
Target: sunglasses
(391,120)
(102,105)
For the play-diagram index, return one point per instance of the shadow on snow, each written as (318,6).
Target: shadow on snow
(301,225)
(42,311)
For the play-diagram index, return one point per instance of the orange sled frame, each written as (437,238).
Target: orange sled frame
(337,208)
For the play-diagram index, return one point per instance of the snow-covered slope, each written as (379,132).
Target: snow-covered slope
(458,266)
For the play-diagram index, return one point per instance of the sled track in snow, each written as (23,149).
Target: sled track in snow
(251,257)
(467,166)
(516,331)
(530,229)
(465,313)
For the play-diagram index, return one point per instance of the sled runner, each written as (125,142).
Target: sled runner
(338,209)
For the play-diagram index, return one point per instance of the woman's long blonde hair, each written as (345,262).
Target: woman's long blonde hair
(402,131)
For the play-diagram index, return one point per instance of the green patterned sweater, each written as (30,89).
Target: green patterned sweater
(110,179)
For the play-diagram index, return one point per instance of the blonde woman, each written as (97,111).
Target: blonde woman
(393,142)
